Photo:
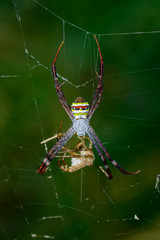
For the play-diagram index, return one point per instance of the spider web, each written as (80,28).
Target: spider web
(84,204)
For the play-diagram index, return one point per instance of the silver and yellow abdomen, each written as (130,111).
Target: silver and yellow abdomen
(80,108)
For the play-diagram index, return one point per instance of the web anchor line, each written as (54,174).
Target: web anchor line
(98,34)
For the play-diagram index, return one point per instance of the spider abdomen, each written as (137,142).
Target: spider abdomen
(80,108)
(80,126)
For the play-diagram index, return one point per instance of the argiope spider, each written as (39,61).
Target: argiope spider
(80,114)
(80,155)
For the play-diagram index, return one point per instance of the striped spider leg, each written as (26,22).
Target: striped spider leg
(80,114)
(55,149)
(100,148)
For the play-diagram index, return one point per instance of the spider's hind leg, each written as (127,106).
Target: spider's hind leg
(120,168)
(109,156)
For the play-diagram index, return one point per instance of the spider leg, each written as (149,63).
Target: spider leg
(108,155)
(55,149)
(60,94)
(91,136)
(99,90)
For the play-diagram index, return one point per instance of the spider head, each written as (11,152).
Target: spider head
(80,108)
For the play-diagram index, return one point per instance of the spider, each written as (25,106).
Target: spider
(81,155)
(80,114)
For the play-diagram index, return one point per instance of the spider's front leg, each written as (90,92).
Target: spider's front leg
(98,93)
(59,91)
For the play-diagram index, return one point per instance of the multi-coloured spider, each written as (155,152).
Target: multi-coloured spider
(80,114)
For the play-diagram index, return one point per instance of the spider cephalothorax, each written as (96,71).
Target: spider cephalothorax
(80,113)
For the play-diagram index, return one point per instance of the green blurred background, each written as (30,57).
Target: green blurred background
(84,204)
